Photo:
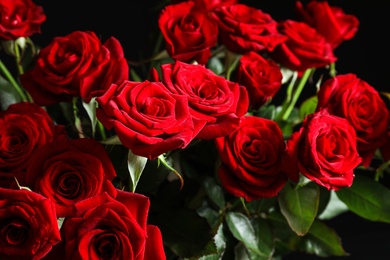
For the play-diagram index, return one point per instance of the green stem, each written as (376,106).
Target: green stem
(244,207)
(101,130)
(332,69)
(17,58)
(287,108)
(11,79)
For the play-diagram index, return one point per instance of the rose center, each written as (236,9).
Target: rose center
(69,185)
(15,231)
(106,245)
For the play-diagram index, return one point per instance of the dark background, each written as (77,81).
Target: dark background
(367,55)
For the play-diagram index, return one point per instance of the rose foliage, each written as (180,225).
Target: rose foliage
(234,138)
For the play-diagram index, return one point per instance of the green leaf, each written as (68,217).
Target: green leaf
(214,192)
(242,230)
(268,112)
(215,65)
(308,107)
(135,165)
(334,208)
(367,198)
(264,236)
(220,243)
(90,108)
(322,241)
(8,94)
(299,206)
(185,232)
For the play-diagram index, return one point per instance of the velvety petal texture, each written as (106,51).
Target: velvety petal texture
(70,171)
(324,150)
(75,65)
(216,104)
(20,18)
(356,100)
(188,31)
(28,225)
(147,118)
(304,48)
(103,227)
(24,127)
(251,159)
(330,21)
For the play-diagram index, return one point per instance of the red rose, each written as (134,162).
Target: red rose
(189,33)
(147,118)
(28,225)
(330,21)
(24,127)
(70,171)
(20,18)
(304,48)
(251,159)
(261,77)
(243,28)
(74,65)
(216,104)
(208,4)
(324,150)
(108,228)
(352,98)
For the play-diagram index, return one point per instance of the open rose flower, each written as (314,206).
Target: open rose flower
(251,159)
(304,48)
(20,18)
(261,77)
(24,127)
(216,104)
(70,171)
(28,225)
(243,28)
(74,65)
(354,99)
(330,21)
(147,118)
(324,151)
(106,228)
(189,32)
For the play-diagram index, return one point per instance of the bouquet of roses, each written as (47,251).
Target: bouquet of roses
(206,150)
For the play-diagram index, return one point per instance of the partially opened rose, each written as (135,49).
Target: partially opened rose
(260,76)
(70,171)
(216,104)
(74,65)
(147,118)
(103,227)
(243,28)
(252,158)
(188,31)
(304,48)
(354,99)
(324,151)
(24,127)
(330,21)
(20,18)
(28,225)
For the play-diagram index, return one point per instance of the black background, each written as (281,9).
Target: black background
(366,55)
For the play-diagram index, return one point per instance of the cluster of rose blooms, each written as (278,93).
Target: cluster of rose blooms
(46,176)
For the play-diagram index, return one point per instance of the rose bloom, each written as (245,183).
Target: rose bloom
(330,21)
(189,32)
(215,103)
(74,65)
(352,98)
(28,225)
(261,77)
(70,171)
(243,28)
(147,118)
(208,5)
(324,151)
(106,228)
(304,48)
(20,18)
(24,127)
(251,159)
